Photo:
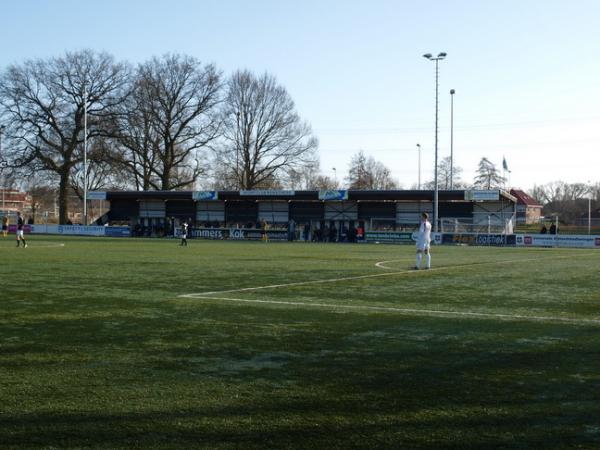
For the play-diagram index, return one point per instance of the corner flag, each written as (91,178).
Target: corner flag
(504,165)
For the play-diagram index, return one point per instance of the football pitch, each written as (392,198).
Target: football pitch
(140,343)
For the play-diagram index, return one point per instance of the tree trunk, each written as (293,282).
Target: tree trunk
(62,198)
(165,179)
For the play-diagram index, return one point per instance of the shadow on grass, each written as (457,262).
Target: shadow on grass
(314,423)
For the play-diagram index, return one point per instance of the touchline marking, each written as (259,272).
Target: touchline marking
(413,311)
(361,277)
(33,245)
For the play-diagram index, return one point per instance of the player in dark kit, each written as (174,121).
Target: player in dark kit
(20,236)
(184,230)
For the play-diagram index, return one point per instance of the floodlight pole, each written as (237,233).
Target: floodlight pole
(452,91)
(437,59)
(2,167)
(237,151)
(590,214)
(85,100)
(590,209)
(419,168)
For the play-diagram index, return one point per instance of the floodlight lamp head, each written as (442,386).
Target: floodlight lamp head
(442,55)
(452,91)
(427,55)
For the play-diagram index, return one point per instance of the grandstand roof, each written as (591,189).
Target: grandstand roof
(356,195)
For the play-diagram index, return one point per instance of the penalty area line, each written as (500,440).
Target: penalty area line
(413,311)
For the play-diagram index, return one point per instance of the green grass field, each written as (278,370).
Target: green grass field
(122,343)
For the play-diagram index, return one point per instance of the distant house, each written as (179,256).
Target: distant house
(529,209)
(13,200)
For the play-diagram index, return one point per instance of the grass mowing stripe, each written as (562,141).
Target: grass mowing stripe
(360,277)
(415,311)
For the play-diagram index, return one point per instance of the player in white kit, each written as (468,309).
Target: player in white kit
(423,242)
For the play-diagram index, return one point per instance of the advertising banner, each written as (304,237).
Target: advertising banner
(248,234)
(267,193)
(558,240)
(80,230)
(12,229)
(399,237)
(75,230)
(479,239)
(333,195)
(117,231)
(96,195)
(389,236)
(209,233)
(205,195)
(482,195)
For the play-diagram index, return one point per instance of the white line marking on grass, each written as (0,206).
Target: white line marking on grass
(415,312)
(33,245)
(381,264)
(406,311)
(362,277)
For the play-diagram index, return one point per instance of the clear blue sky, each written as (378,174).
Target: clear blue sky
(526,72)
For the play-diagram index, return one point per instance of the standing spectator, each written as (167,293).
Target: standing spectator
(4,226)
(344,233)
(291,230)
(333,233)
(360,233)
(553,229)
(352,234)
(316,234)
(20,236)
(544,230)
(306,231)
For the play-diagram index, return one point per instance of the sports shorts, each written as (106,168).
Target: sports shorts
(423,246)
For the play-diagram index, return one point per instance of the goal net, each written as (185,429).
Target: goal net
(493,225)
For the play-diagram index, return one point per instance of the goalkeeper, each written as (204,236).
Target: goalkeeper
(423,242)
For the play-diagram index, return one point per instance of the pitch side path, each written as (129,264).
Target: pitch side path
(140,343)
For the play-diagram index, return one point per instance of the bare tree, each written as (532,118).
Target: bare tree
(488,176)
(137,140)
(307,177)
(169,118)
(263,137)
(449,174)
(101,171)
(323,183)
(444,165)
(567,200)
(367,173)
(43,102)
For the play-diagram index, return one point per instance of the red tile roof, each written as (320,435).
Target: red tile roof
(524,199)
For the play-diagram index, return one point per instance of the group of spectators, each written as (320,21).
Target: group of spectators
(330,233)
(320,232)
(553,229)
